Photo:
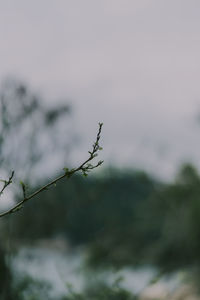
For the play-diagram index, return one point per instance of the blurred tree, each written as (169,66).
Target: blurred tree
(104,212)
(28,128)
(28,131)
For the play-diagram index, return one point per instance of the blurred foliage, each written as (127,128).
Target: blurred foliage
(100,291)
(19,287)
(28,127)
(86,210)
(175,217)
(27,288)
(125,218)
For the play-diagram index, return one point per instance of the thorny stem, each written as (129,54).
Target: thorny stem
(84,167)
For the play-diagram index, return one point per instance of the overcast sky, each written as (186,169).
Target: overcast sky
(133,64)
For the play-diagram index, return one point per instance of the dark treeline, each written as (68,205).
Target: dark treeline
(125,218)
(83,210)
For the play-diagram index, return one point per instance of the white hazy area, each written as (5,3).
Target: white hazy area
(132,64)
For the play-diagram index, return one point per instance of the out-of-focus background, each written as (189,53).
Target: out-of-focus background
(131,229)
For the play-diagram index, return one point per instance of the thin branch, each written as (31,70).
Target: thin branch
(85,167)
(6,182)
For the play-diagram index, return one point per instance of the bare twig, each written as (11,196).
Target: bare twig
(85,167)
(6,182)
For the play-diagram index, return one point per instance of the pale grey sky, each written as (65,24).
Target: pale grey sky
(133,64)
